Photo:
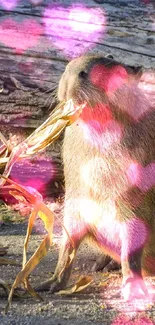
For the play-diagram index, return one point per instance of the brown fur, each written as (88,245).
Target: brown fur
(104,152)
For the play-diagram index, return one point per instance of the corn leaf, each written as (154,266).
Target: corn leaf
(44,135)
(28,268)
(83,283)
(50,130)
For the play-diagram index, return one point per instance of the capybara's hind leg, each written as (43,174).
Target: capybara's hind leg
(134,234)
(105,263)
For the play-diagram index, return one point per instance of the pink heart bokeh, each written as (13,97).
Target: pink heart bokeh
(75,29)
(8,4)
(142,177)
(20,35)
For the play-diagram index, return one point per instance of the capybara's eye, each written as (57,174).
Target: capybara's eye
(83,74)
(110,56)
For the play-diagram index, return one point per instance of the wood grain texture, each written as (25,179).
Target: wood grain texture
(29,76)
(26,76)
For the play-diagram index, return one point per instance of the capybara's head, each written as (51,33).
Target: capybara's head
(95,79)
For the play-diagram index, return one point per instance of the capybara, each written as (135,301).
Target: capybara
(109,167)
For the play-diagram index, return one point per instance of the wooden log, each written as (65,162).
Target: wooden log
(32,55)
(30,68)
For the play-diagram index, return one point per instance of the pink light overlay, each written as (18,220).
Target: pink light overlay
(35,175)
(75,29)
(99,127)
(130,230)
(142,177)
(139,320)
(113,78)
(8,4)
(20,35)
(36,2)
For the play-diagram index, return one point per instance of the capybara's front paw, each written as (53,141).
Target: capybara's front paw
(52,285)
(56,286)
(134,288)
(45,286)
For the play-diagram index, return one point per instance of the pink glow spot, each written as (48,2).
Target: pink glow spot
(125,320)
(33,68)
(36,2)
(75,29)
(109,79)
(36,175)
(131,239)
(20,35)
(35,183)
(101,135)
(26,67)
(142,177)
(133,173)
(99,127)
(8,4)
(134,289)
(99,115)
(88,20)
(148,1)
(138,294)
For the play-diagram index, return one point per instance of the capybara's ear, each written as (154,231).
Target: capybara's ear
(136,71)
(109,56)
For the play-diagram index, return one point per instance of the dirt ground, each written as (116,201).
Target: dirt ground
(100,303)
